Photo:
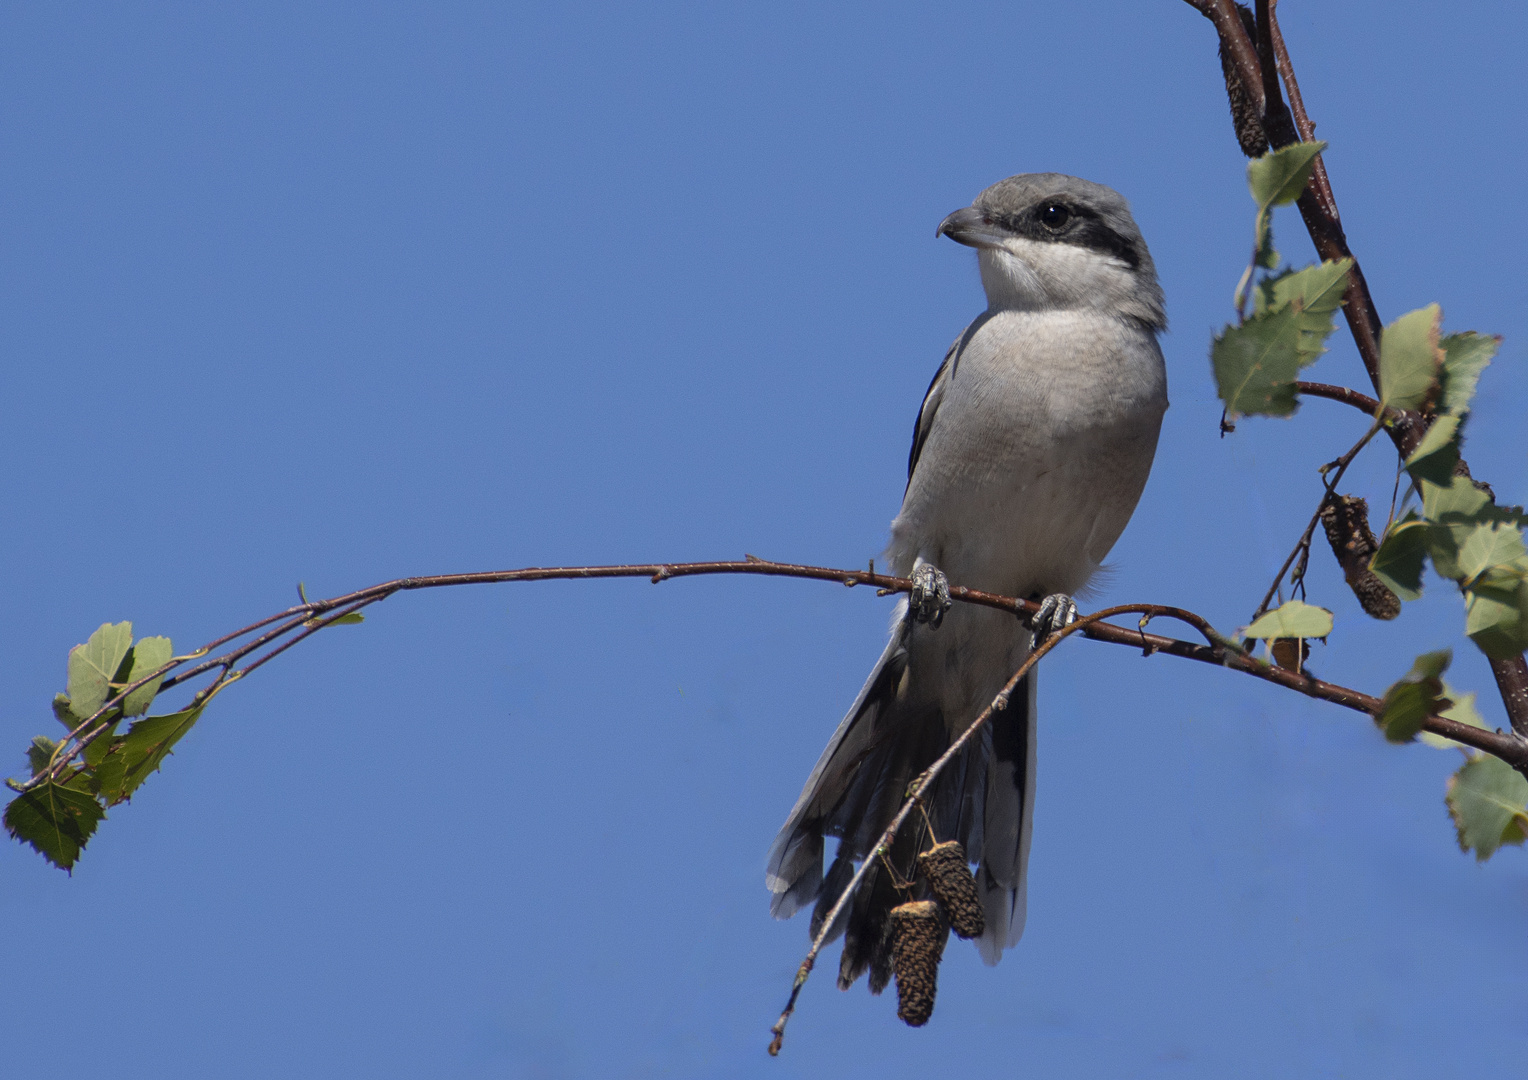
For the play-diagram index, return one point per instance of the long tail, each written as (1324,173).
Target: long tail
(983,799)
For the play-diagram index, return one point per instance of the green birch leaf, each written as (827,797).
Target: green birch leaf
(64,713)
(1417,696)
(55,819)
(1465,356)
(111,775)
(1496,619)
(1293,619)
(149,654)
(1453,512)
(1486,799)
(80,780)
(1502,576)
(1409,358)
(40,753)
(1457,499)
(100,746)
(1267,256)
(93,665)
(141,752)
(1318,288)
(1487,545)
(1280,176)
(1317,291)
(1463,710)
(1438,452)
(1256,364)
(1401,557)
(1443,547)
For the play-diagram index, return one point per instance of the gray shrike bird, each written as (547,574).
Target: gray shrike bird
(1030,451)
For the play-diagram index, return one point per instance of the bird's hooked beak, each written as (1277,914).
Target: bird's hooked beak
(969,226)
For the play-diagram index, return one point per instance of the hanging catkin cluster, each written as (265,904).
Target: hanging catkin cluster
(918,933)
(1346,518)
(920,929)
(944,865)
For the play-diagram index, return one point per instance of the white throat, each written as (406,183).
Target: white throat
(1030,275)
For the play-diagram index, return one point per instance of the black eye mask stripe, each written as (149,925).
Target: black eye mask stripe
(1084,229)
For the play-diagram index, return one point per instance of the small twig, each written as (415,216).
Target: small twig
(928,822)
(1332,476)
(1395,494)
(1362,402)
(1276,120)
(1320,186)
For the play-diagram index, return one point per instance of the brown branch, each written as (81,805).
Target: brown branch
(1512,680)
(311,617)
(1276,120)
(1362,402)
(1320,185)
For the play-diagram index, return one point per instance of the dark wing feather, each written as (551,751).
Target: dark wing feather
(925,421)
(935,393)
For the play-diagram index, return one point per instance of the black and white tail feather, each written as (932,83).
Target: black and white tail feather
(984,800)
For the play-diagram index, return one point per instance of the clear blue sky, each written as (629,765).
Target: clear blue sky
(333,294)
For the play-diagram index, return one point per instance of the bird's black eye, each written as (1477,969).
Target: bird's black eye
(1054,216)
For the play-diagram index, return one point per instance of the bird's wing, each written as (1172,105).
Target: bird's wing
(935,392)
(926,411)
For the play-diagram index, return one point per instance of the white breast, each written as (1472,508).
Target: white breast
(1037,452)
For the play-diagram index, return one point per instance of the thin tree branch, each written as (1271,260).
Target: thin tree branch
(310,617)
(1319,184)
(1238,46)
(1276,120)
(1512,680)
(1362,402)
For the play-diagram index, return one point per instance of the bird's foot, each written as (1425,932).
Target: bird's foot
(929,598)
(1057,610)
